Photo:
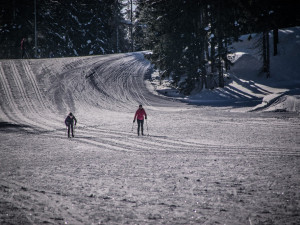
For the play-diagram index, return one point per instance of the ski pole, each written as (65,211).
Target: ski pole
(74,129)
(132,127)
(147,127)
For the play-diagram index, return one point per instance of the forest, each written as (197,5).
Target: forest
(189,40)
(62,28)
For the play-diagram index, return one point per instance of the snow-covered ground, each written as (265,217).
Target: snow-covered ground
(204,160)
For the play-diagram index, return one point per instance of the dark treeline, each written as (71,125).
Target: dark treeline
(190,39)
(64,27)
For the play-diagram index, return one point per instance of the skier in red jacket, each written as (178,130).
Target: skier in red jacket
(139,115)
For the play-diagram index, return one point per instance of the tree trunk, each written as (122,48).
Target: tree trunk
(275,40)
(268,54)
(212,56)
(206,49)
(220,46)
(264,52)
(131,26)
(212,45)
(221,76)
(227,66)
(220,63)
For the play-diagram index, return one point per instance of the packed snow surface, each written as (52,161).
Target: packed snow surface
(202,160)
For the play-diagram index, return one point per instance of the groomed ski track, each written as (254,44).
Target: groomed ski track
(177,173)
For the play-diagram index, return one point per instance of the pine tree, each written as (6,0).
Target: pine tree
(64,28)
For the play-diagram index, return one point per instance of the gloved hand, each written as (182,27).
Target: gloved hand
(133,120)
(145,117)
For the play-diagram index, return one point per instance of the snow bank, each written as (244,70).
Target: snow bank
(286,102)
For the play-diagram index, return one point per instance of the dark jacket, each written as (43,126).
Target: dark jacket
(70,120)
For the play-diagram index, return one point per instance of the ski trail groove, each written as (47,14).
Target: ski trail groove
(11,101)
(31,77)
(28,101)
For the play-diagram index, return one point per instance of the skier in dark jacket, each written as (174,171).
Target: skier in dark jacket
(69,123)
(139,115)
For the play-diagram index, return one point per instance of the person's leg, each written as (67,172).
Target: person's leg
(68,131)
(139,125)
(142,126)
(72,128)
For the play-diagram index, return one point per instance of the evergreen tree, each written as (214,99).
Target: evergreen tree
(189,39)
(65,28)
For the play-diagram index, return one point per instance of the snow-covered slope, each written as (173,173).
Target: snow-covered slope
(40,93)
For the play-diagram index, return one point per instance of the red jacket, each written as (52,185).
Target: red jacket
(140,113)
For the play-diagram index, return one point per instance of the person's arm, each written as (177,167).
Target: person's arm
(66,121)
(145,114)
(75,120)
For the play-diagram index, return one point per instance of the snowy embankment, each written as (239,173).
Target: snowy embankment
(246,85)
(39,93)
(196,165)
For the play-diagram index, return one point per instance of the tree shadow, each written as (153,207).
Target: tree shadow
(83,137)
(225,103)
(252,86)
(12,127)
(156,136)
